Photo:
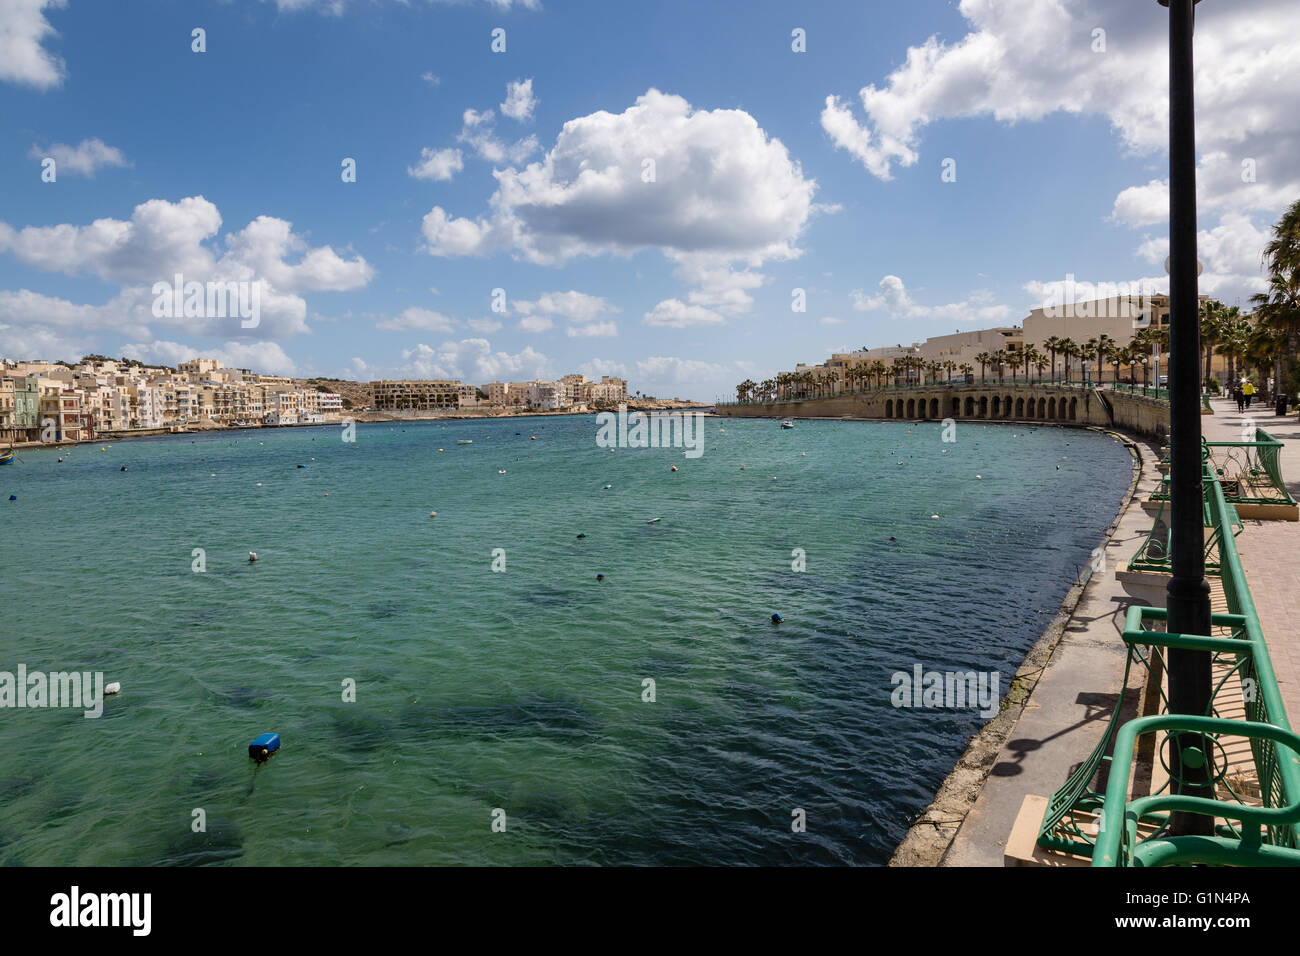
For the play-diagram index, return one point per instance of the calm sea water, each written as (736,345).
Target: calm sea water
(520,690)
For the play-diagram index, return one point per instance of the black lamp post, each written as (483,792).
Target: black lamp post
(1188,599)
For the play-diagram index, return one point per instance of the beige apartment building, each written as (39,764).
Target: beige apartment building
(416,395)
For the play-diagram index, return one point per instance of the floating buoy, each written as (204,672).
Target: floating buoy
(259,484)
(654,520)
(674,468)
(892,538)
(582,534)
(803,454)
(252,556)
(501,472)
(302,466)
(263,746)
(124,468)
(327,494)
(13,497)
(742,467)
(60,459)
(611,451)
(607,487)
(600,577)
(777,619)
(936,517)
(113,688)
(979,476)
(439,449)
(532,438)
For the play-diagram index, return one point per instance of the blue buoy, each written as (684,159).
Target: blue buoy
(13,497)
(263,746)
(777,619)
(302,466)
(600,577)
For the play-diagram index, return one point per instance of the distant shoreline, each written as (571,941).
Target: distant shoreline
(360,418)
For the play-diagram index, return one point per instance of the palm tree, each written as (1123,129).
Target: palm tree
(1103,346)
(1212,321)
(1282,260)
(1015,358)
(966,369)
(1067,349)
(744,389)
(1053,346)
(985,359)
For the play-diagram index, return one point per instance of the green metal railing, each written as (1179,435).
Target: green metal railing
(1250,471)
(1260,816)
(1149,391)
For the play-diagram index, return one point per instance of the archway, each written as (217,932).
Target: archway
(934,408)
(956,407)
(1051,408)
(889,408)
(1042,408)
(970,406)
(1074,402)
(997,406)
(984,406)
(911,408)
(1020,408)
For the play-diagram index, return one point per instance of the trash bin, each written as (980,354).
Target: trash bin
(1281,404)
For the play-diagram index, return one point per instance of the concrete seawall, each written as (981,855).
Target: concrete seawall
(1048,404)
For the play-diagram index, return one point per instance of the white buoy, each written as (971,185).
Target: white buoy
(113,688)
(252,556)
(936,517)
(433,514)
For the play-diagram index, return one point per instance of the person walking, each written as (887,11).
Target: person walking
(1249,390)
(1239,396)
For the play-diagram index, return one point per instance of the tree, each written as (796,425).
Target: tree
(1282,300)
(985,359)
(1053,346)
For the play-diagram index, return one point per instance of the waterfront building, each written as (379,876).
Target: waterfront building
(546,395)
(416,395)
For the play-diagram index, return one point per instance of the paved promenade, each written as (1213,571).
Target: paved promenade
(1067,712)
(1270,550)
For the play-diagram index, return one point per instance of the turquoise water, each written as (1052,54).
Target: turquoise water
(521,690)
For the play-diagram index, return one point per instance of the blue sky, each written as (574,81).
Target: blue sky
(683,285)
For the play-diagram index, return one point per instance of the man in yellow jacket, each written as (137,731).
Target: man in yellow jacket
(1248,389)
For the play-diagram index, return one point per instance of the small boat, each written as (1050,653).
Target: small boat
(653,520)
(464,441)
(7,457)
(787,424)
